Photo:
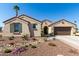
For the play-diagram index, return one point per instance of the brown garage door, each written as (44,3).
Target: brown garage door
(62,30)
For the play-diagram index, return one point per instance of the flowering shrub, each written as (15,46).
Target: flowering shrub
(19,50)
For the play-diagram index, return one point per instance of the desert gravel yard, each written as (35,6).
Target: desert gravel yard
(44,48)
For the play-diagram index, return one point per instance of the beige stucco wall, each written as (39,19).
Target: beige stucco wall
(25,29)
(46,23)
(0,33)
(32,21)
(73,31)
(38,31)
(66,24)
(50,30)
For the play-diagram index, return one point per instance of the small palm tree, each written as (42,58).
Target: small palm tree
(16,8)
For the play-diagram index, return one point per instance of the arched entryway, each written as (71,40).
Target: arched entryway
(45,30)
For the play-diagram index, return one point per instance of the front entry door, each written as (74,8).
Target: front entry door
(45,30)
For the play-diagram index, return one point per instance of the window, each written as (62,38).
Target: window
(15,27)
(34,26)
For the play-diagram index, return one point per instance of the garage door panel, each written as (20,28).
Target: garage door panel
(62,33)
(62,30)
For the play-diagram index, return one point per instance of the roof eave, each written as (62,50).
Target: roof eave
(61,20)
(29,17)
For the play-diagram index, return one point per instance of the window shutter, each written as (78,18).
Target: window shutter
(11,28)
(20,28)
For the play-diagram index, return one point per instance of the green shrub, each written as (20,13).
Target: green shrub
(1,38)
(11,38)
(7,51)
(33,46)
(34,39)
(39,42)
(26,45)
(11,43)
(30,44)
(42,33)
(51,44)
(45,39)
(25,37)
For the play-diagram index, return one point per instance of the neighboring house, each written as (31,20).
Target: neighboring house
(22,25)
(63,27)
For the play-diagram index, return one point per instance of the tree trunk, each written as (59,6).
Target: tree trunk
(16,13)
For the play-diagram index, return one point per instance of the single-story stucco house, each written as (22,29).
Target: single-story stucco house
(23,24)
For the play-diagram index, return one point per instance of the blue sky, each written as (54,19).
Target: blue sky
(41,11)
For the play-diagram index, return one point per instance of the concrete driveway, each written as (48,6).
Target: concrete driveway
(70,40)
